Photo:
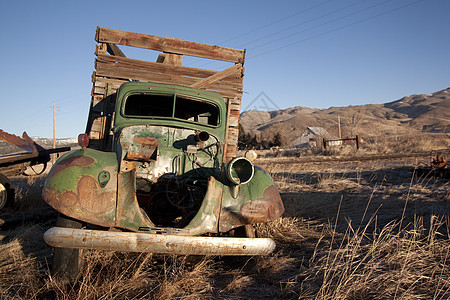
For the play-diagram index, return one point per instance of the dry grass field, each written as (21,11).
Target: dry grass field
(351,230)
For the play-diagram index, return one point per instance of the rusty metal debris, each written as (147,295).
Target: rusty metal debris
(16,163)
(438,160)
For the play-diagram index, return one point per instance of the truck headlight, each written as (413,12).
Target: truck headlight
(240,170)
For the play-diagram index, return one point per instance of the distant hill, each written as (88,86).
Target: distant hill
(408,115)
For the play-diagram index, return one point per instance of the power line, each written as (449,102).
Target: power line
(321,24)
(277,21)
(306,22)
(334,30)
(313,19)
(266,25)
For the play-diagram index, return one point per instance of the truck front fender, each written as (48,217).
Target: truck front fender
(257,201)
(82,184)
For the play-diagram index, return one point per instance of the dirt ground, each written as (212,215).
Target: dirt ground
(323,202)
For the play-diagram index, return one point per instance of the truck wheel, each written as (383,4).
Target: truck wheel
(67,263)
(6,192)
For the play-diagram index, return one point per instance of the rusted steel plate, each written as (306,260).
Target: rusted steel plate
(143,148)
(24,142)
(156,243)
(128,213)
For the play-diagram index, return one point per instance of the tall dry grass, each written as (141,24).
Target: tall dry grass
(412,263)
(311,262)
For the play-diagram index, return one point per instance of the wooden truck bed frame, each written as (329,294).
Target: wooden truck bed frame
(112,69)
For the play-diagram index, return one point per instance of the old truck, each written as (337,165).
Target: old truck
(158,169)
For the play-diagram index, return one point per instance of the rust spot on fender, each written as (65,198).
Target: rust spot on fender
(264,209)
(59,201)
(271,194)
(91,197)
(73,161)
(90,203)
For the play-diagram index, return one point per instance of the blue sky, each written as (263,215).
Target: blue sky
(313,53)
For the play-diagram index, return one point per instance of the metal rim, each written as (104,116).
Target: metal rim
(3,195)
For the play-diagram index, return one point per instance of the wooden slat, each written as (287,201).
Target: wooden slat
(101,48)
(233,122)
(232,133)
(117,70)
(231,152)
(94,135)
(235,101)
(110,82)
(167,44)
(113,49)
(235,107)
(125,73)
(98,124)
(173,59)
(204,83)
(232,138)
(166,68)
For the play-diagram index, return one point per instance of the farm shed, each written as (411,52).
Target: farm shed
(313,136)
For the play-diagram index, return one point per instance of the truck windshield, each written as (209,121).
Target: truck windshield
(170,106)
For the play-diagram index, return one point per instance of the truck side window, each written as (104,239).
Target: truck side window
(196,111)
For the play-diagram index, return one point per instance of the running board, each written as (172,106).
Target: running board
(61,237)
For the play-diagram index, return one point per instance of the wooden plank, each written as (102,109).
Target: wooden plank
(115,71)
(231,152)
(94,135)
(167,44)
(216,77)
(98,90)
(233,131)
(235,101)
(98,125)
(100,84)
(113,49)
(233,121)
(101,48)
(173,59)
(232,140)
(165,68)
(114,83)
(235,107)
(125,72)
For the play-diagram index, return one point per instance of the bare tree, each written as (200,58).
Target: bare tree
(351,120)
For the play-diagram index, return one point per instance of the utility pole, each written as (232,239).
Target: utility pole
(339,126)
(54,130)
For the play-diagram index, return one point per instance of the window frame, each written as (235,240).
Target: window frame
(174,106)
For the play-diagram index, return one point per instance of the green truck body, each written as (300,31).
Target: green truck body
(163,169)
